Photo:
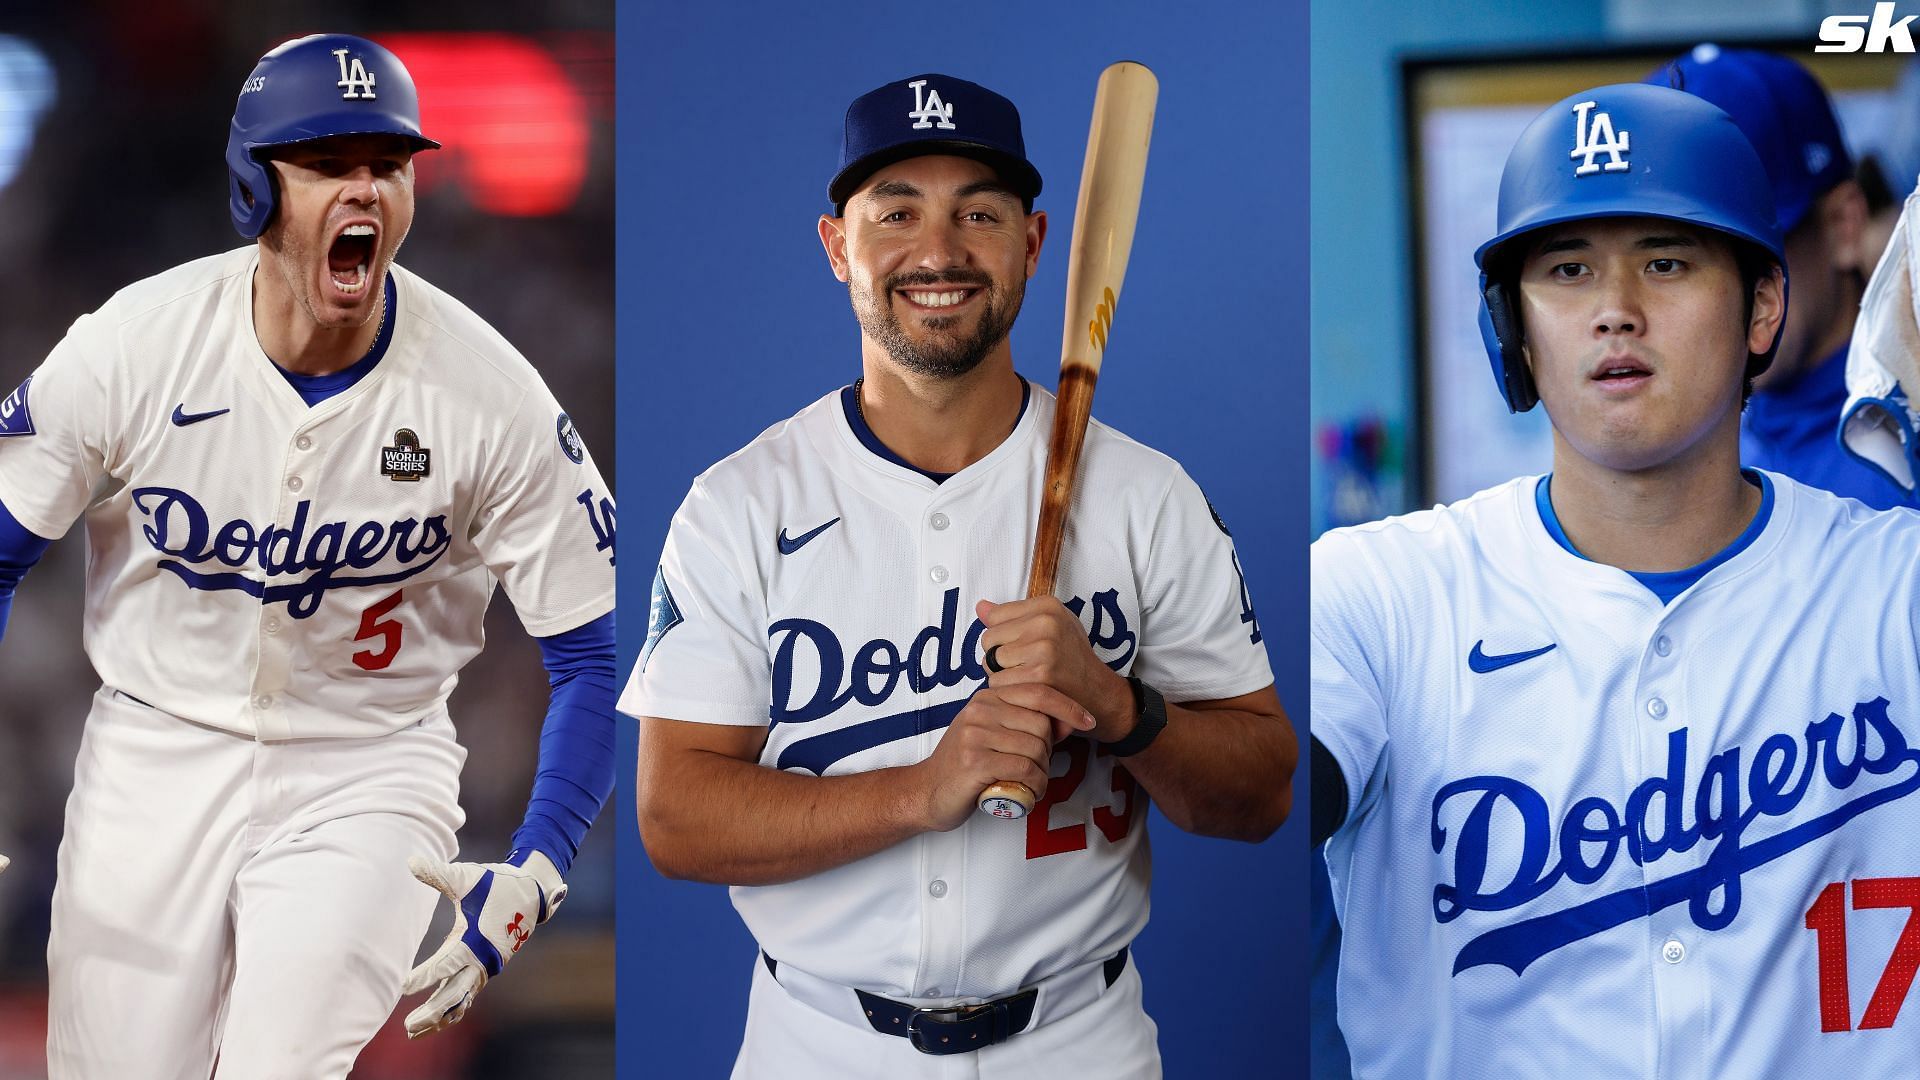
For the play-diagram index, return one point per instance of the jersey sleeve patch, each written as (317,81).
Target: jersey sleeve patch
(15,419)
(1217,519)
(662,615)
(570,443)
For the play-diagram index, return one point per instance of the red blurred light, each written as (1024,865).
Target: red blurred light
(512,125)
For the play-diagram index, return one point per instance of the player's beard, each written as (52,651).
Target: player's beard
(939,354)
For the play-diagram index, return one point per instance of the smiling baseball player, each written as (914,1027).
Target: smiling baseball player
(838,662)
(302,470)
(1627,752)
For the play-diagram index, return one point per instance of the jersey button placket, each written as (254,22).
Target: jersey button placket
(1682,993)
(273,663)
(941,556)
(1681,981)
(273,657)
(1657,664)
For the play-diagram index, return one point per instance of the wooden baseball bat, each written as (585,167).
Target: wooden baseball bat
(1103,221)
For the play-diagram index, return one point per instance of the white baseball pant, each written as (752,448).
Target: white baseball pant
(226,901)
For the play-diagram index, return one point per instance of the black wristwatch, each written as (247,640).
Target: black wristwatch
(1152,709)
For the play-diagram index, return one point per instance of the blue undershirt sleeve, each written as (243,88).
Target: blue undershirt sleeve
(575,773)
(19,550)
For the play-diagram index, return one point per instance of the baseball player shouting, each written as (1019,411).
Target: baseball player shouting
(302,471)
(1623,757)
(838,662)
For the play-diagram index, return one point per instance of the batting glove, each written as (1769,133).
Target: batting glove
(4,861)
(495,908)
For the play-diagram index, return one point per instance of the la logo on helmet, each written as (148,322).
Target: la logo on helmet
(1593,136)
(355,79)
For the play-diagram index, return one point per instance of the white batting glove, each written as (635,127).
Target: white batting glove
(3,862)
(495,908)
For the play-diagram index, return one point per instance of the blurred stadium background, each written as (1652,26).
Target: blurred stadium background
(113,120)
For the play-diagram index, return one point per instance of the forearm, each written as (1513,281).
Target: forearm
(575,771)
(705,816)
(1220,772)
(19,550)
(1217,769)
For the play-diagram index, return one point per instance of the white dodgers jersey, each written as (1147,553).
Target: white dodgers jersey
(1594,835)
(812,586)
(284,571)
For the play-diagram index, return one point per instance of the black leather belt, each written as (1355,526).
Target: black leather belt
(957,1029)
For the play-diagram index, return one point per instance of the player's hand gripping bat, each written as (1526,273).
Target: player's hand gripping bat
(1103,222)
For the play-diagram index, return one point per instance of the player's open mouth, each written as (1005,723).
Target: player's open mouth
(935,299)
(1619,371)
(349,256)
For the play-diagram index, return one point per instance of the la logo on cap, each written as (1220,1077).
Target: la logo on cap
(928,108)
(1590,140)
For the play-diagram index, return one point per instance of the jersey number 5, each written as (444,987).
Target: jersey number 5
(375,624)
(1827,918)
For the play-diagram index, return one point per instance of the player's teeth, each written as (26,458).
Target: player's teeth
(359,280)
(939,299)
(358,230)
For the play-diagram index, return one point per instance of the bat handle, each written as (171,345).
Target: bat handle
(1007,799)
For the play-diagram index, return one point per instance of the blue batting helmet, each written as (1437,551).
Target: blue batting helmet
(1619,151)
(313,88)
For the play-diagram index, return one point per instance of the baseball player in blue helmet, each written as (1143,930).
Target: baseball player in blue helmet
(1790,425)
(303,471)
(1617,756)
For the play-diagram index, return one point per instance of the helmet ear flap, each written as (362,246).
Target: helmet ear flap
(251,195)
(1500,326)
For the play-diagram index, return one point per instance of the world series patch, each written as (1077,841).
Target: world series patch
(406,460)
(14,417)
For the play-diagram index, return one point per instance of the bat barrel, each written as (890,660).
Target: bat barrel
(1103,223)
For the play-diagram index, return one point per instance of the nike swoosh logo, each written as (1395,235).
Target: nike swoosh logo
(1483,663)
(789,545)
(181,417)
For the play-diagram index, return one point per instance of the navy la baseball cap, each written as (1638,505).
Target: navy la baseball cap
(931,114)
(1783,112)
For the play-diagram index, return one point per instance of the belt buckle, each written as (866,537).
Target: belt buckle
(951,1015)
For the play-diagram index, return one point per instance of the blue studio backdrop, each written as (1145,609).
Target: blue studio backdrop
(731,320)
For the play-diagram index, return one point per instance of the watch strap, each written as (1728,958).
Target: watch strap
(1152,709)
